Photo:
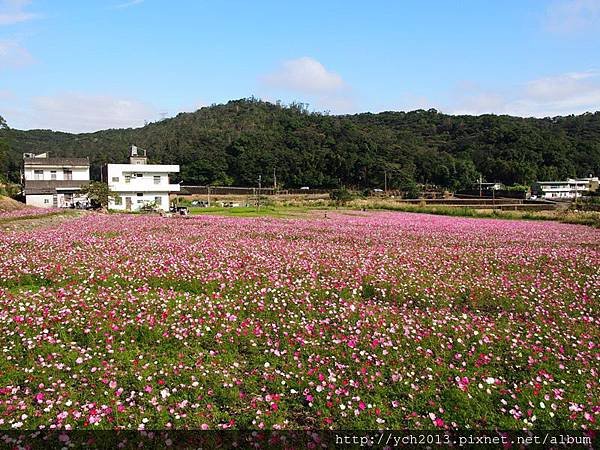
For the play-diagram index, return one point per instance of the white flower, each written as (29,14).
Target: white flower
(490,380)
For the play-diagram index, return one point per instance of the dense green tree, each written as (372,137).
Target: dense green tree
(236,142)
(3,152)
(99,193)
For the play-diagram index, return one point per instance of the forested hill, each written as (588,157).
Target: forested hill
(233,144)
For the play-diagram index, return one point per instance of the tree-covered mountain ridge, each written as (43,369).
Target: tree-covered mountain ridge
(234,143)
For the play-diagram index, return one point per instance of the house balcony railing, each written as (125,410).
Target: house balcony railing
(144,187)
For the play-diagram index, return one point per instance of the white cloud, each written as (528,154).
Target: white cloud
(77,112)
(573,16)
(12,55)
(308,79)
(564,94)
(128,4)
(304,75)
(13,11)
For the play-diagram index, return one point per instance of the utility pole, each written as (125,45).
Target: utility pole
(385,181)
(259,188)
(480,181)
(208,196)
(274,179)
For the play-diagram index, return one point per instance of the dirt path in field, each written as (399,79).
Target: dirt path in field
(32,223)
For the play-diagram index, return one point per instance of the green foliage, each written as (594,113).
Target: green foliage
(341,196)
(410,189)
(517,188)
(234,143)
(99,193)
(4,150)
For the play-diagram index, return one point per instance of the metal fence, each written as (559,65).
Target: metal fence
(233,190)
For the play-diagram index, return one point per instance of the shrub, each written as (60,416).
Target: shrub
(341,196)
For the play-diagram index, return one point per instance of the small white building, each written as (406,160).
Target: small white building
(140,184)
(54,182)
(564,190)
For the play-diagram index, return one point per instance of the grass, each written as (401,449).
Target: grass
(65,213)
(577,218)
(263,211)
(219,327)
(299,210)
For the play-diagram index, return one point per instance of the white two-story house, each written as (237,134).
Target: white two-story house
(140,184)
(565,190)
(54,182)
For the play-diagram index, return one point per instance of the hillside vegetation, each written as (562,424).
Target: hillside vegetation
(233,144)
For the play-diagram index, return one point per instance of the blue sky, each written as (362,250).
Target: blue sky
(87,65)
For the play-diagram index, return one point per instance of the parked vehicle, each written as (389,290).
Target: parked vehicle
(181,210)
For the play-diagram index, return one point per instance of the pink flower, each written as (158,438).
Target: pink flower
(463,383)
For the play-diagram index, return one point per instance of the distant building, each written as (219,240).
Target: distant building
(489,186)
(54,182)
(140,184)
(564,190)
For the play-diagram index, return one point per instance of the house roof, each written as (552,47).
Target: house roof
(570,181)
(33,187)
(57,162)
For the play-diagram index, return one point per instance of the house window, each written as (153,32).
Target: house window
(118,201)
(127,178)
(46,201)
(68,174)
(53,174)
(115,179)
(38,174)
(158,201)
(156,179)
(139,175)
(140,194)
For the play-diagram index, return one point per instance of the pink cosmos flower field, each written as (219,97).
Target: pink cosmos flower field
(27,212)
(373,321)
